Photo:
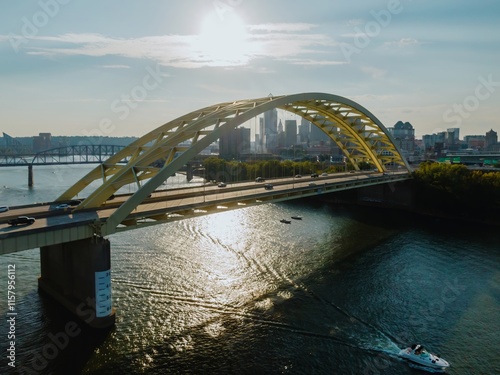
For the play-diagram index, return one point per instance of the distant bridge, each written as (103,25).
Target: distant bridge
(75,256)
(79,154)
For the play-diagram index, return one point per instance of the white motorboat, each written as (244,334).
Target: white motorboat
(417,354)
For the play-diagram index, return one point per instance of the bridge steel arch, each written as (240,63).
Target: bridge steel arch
(359,134)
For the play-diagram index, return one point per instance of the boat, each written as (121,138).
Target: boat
(417,354)
(297,217)
(284,221)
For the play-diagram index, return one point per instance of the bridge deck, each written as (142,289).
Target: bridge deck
(54,226)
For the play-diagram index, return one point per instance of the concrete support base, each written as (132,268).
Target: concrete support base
(77,274)
(30,175)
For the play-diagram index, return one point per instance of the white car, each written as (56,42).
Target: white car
(62,206)
(4,208)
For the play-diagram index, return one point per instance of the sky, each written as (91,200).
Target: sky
(123,67)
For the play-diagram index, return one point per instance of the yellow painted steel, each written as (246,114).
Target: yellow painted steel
(359,134)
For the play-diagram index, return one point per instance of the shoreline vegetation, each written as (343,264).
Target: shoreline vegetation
(456,192)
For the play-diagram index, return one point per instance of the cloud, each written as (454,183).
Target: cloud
(286,42)
(115,66)
(283,27)
(373,72)
(403,42)
(312,62)
(355,22)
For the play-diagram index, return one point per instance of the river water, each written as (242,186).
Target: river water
(238,292)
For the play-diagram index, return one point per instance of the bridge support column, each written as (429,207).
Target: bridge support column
(30,175)
(189,172)
(77,274)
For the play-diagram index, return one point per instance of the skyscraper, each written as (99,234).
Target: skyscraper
(235,143)
(290,133)
(491,138)
(270,129)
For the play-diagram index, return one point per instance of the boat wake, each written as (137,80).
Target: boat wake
(425,368)
(344,328)
(331,322)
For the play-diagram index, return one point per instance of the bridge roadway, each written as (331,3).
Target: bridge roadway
(61,225)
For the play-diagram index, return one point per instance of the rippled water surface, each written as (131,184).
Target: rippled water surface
(338,292)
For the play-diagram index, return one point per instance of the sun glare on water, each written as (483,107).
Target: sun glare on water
(223,41)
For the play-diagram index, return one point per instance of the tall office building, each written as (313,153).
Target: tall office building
(235,143)
(404,135)
(260,145)
(290,133)
(491,138)
(317,135)
(455,133)
(304,130)
(270,129)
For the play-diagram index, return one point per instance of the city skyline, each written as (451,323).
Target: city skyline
(123,68)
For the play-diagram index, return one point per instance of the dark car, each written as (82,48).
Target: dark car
(268,187)
(21,220)
(260,179)
(314,175)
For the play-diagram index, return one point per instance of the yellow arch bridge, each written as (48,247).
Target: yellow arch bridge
(358,133)
(75,260)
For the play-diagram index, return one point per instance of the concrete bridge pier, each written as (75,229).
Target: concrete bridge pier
(30,175)
(77,274)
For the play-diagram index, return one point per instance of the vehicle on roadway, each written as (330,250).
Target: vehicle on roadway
(268,187)
(298,176)
(4,208)
(63,206)
(260,179)
(222,184)
(314,175)
(21,220)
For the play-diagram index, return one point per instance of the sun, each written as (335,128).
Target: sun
(223,41)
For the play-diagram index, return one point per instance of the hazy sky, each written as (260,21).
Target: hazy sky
(123,67)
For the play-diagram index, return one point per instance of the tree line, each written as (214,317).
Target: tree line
(219,169)
(455,189)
